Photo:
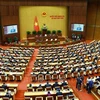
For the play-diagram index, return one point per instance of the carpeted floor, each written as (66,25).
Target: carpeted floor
(22,87)
(82,95)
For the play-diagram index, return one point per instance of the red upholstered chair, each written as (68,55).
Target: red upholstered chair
(70,97)
(49,98)
(65,87)
(27,98)
(59,97)
(68,75)
(2,90)
(62,76)
(34,78)
(40,77)
(38,98)
(18,77)
(57,87)
(98,70)
(39,89)
(11,77)
(30,89)
(47,77)
(13,90)
(6,98)
(54,76)
(4,78)
(48,88)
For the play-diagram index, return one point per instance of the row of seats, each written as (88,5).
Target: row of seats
(60,97)
(69,70)
(14,62)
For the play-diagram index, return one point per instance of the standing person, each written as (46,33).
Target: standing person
(82,78)
(78,83)
(90,86)
(87,84)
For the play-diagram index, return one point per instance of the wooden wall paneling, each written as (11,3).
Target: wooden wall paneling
(16,10)
(91,19)
(77,3)
(11,10)
(4,10)
(97,26)
(98,15)
(90,31)
(77,14)
(0,26)
(4,2)
(97,33)
(9,20)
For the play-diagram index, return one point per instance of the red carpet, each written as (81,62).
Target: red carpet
(26,79)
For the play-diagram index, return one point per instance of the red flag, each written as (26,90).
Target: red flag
(36,25)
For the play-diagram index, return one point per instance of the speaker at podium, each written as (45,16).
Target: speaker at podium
(44,29)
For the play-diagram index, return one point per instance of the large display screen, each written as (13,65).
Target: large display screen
(77,27)
(10,29)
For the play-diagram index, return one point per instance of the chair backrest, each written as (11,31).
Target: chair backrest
(3,78)
(71,96)
(39,89)
(57,87)
(2,89)
(5,98)
(49,98)
(65,87)
(40,76)
(18,77)
(55,76)
(11,77)
(30,89)
(34,78)
(27,98)
(48,88)
(47,76)
(38,98)
(60,97)
(11,89)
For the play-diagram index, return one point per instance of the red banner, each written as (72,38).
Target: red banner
(36,24)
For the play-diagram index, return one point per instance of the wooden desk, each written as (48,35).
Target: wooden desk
(35,86)
(44,94)
(2,94)
(10,85)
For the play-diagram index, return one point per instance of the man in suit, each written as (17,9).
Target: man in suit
(55,84)
(98,79)
(64,83)
(8,94)
(90,85)
(47,84)
(40,86)
(4,86)
(58,92)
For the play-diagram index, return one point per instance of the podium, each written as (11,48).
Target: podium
(44,31)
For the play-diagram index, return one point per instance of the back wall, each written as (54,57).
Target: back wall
(56,18)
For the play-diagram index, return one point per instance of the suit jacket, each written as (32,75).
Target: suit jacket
(55,84)
(64,83)
(47,85)
(59,93)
